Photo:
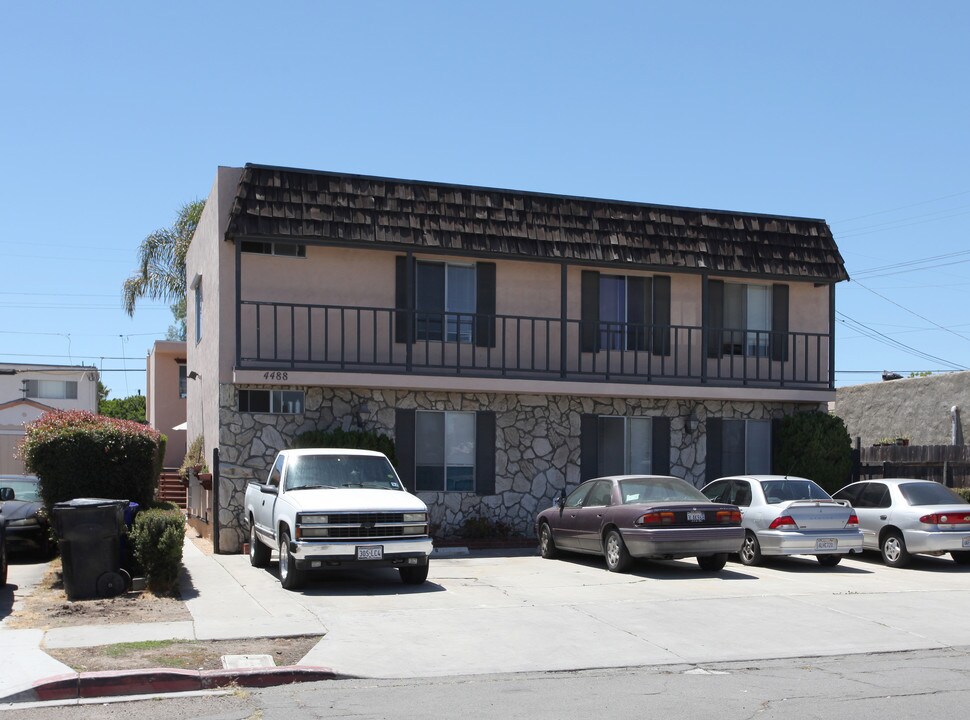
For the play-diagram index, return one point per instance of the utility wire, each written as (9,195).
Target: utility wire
(904,207)
(911,312)
(879,337)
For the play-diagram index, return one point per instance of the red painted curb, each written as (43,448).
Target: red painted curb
(110,683)
(265,677)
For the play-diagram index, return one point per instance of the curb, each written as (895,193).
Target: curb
(75,686)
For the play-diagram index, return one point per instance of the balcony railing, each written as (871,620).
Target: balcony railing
(386,340)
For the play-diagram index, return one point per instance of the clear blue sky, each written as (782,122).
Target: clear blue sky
(114,114)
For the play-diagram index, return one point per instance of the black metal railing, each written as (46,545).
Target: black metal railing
(296,336)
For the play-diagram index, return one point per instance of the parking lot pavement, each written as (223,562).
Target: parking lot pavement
(509,614)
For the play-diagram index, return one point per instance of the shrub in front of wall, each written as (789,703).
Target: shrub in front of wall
(816,446)
(79,454)
(360,439)
(160,457)
(157,536)
(963,492)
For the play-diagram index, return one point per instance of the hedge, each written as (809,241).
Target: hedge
(360,439)
(814,445)
(157,537)
(79,454)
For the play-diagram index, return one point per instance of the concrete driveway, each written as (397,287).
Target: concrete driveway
(523,613)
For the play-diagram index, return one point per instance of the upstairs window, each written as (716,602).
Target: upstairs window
(52,389)
(285,249)
(183,382)
(747,319)
(622,312)
(445,301)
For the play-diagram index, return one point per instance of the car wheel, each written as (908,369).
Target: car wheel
(3,564)
(291,577)
(258,553)
(414,574)
(712,563)
(960,557)
(828,560)
(617,556)
(547,546)
(893,547)
(750,553)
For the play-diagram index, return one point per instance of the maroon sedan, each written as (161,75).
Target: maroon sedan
(641,516)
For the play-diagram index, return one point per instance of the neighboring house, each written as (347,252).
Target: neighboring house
(924,410)
(29,391)
(166,388)
(511,343)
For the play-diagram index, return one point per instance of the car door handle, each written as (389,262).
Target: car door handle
(883,517)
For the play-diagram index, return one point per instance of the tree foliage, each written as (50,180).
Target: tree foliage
(129,408)
(817,446)
(161,265)
(338,438)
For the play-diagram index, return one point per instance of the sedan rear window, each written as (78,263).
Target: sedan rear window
(647,490)
(777,491)
(930,493)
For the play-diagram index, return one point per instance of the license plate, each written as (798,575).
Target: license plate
(826,544)
(966,542)
(695,517)
(372,552)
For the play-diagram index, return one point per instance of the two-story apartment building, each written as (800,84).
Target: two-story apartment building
(27,391)
(511,343)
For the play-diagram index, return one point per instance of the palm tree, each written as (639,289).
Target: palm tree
(161,265)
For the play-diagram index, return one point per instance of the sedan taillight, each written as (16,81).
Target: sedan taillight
(946,519)
(783,522)
(853,521)
(727,517)
(655,518)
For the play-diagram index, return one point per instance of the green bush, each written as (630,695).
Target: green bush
(78,454)
(816,446)
(160,457)
(963,492)
(194,458)
(157,536)
(360,439)
(483,528)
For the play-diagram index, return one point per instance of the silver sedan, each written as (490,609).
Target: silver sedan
(784,515)
(903,516)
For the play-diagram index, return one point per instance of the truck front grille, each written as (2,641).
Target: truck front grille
(361,525)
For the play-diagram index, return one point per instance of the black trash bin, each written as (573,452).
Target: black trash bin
(89,531)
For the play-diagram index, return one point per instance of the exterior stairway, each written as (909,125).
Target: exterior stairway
(171,488)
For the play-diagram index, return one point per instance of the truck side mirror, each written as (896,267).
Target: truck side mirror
(6,493)
(269,489)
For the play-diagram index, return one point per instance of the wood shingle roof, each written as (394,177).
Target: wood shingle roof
(306,206)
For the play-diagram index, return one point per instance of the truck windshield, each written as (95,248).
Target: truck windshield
(336,471)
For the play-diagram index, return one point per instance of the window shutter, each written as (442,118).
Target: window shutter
(485,311)
(779,322)
(401,323)
(588,450)
(661,315)
(32,388)
(404,446)
(660,445)
(638,312)
(590,314)
(714,318)
(485,452)
(714,448)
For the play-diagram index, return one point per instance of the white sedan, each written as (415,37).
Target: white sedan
(902,516)
(784,515)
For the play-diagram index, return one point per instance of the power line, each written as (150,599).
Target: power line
(910,263)
(905,207)
(911,312)
(879,337)
(843,236)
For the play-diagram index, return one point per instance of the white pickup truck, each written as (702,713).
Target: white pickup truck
(329,508)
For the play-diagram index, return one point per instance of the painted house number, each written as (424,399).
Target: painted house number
(276,375)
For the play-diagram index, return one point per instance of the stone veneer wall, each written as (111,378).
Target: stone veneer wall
(537,444)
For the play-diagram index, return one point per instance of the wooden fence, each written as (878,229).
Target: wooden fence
(947,464)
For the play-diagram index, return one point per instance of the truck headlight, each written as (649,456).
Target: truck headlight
(314,519)
(416,517)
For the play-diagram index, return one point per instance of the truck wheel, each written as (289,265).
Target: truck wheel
(291,577)
(258,553)
(414,574)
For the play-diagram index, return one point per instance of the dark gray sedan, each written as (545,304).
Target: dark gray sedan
(640,516)
(28,527)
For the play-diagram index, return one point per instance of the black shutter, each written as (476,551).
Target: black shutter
(404,446)
(660,445)
(661,315)
(588,447)
(485,452)
(590,314)
(485,310)
(714,318)
(638,312)
(715,441)
(401,324)
(779,322)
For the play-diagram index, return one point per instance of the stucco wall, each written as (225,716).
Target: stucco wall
(916,408)
(164,408)
(537,444)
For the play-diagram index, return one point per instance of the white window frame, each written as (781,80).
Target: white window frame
(278,403)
